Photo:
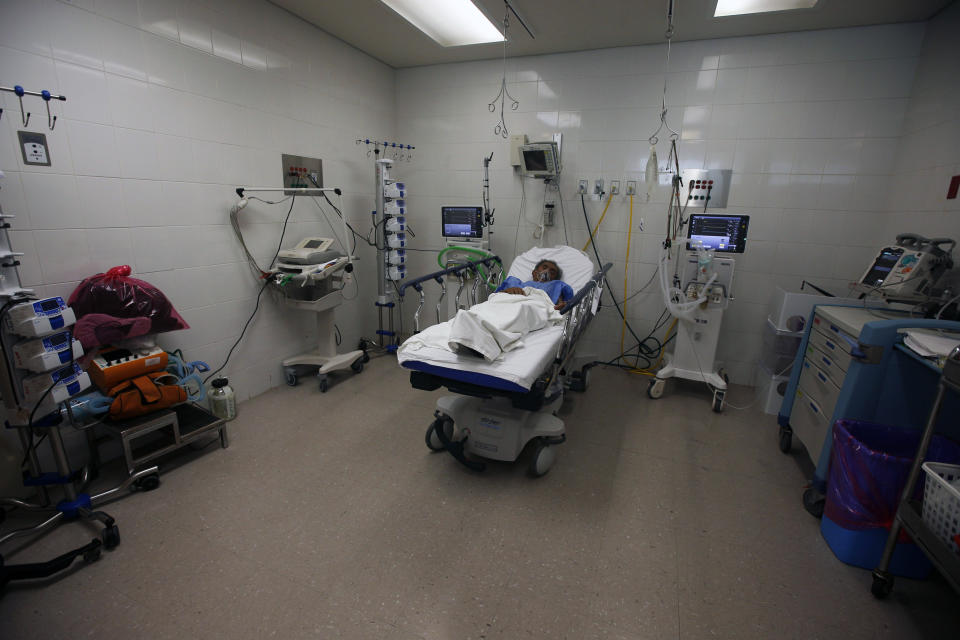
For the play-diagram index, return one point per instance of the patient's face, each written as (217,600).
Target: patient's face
(549,270)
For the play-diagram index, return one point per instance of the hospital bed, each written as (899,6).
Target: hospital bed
(503,405)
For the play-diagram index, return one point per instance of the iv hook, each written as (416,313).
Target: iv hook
(19,91)
(50,123)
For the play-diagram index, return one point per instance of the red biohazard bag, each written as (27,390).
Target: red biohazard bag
(121,307)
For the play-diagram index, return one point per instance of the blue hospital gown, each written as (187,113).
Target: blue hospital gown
(556,289)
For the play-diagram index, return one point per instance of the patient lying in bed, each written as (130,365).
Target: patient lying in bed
(515,309)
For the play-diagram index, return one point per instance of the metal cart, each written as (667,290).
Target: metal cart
(909,512)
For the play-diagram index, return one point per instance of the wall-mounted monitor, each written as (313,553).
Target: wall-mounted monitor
(540,159)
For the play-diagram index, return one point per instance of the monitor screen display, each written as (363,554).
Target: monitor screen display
(535,160)
(887,260)
(312,244)
(462,222)
(723,233)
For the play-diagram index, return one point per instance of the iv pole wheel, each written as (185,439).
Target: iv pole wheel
(291,377)
(882,584)
(148,483)
(655,390)
(357,365)
(786,439)
(93,554)
(111,537)
(324,384)
(813,502)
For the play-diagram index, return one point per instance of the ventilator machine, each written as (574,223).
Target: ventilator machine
(697,295)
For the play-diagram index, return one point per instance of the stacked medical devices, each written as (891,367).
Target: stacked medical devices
(40,375)
(390,226)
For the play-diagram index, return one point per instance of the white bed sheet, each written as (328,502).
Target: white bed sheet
(520,366)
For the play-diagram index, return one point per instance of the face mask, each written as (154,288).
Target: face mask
(543,276)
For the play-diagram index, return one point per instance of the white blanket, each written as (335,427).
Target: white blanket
(491,327)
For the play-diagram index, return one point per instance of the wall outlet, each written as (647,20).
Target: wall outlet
(614,187)
(598,187)
(631,187)
(582,187)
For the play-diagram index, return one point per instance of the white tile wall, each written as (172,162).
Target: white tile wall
(809,122)
(928,153)
(171,105)
(838,140)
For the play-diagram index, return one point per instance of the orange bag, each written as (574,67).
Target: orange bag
(145,394)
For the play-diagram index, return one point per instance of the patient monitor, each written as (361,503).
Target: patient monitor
(540,159)
(462,225)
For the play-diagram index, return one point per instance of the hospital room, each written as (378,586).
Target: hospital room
(476,319)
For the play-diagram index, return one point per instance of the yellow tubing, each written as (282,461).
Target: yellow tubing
(626,269)
(592,235)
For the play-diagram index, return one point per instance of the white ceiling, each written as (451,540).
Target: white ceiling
(576,25)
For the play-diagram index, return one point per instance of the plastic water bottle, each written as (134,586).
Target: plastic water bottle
(223,402)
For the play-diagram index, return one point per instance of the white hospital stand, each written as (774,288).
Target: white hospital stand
(325,356)
(694,354)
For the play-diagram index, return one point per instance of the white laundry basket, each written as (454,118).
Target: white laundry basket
(941,502)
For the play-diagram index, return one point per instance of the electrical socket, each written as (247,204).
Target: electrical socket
(631,187)
(598,187)
(614,187)
(582,187)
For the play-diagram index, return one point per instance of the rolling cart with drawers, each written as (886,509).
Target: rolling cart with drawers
(851,365)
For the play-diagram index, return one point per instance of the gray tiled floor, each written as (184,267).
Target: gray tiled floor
(328,518)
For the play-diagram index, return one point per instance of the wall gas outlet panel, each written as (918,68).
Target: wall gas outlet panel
(297,171)
(33,146)
(703,188)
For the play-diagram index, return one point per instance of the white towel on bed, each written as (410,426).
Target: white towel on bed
(491,327)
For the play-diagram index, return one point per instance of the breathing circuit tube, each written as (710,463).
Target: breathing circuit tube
(679,310)
(480,253)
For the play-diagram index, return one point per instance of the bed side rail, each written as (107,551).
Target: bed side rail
(460,270)
(585,290)
(579,312)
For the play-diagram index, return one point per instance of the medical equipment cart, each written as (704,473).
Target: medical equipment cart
(851,365)
(909,513)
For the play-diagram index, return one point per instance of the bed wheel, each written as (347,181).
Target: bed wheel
(432,439)
(542,460)
(718,400)
(655,390)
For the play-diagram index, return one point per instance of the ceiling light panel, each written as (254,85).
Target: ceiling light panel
(451,23)
(741,7)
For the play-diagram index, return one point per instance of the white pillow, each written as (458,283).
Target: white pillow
(576,265)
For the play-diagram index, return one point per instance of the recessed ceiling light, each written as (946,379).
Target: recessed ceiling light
(452,23)
(741,7)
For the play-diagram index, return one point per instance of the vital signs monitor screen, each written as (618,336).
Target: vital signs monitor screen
(718,232)
(462,222)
